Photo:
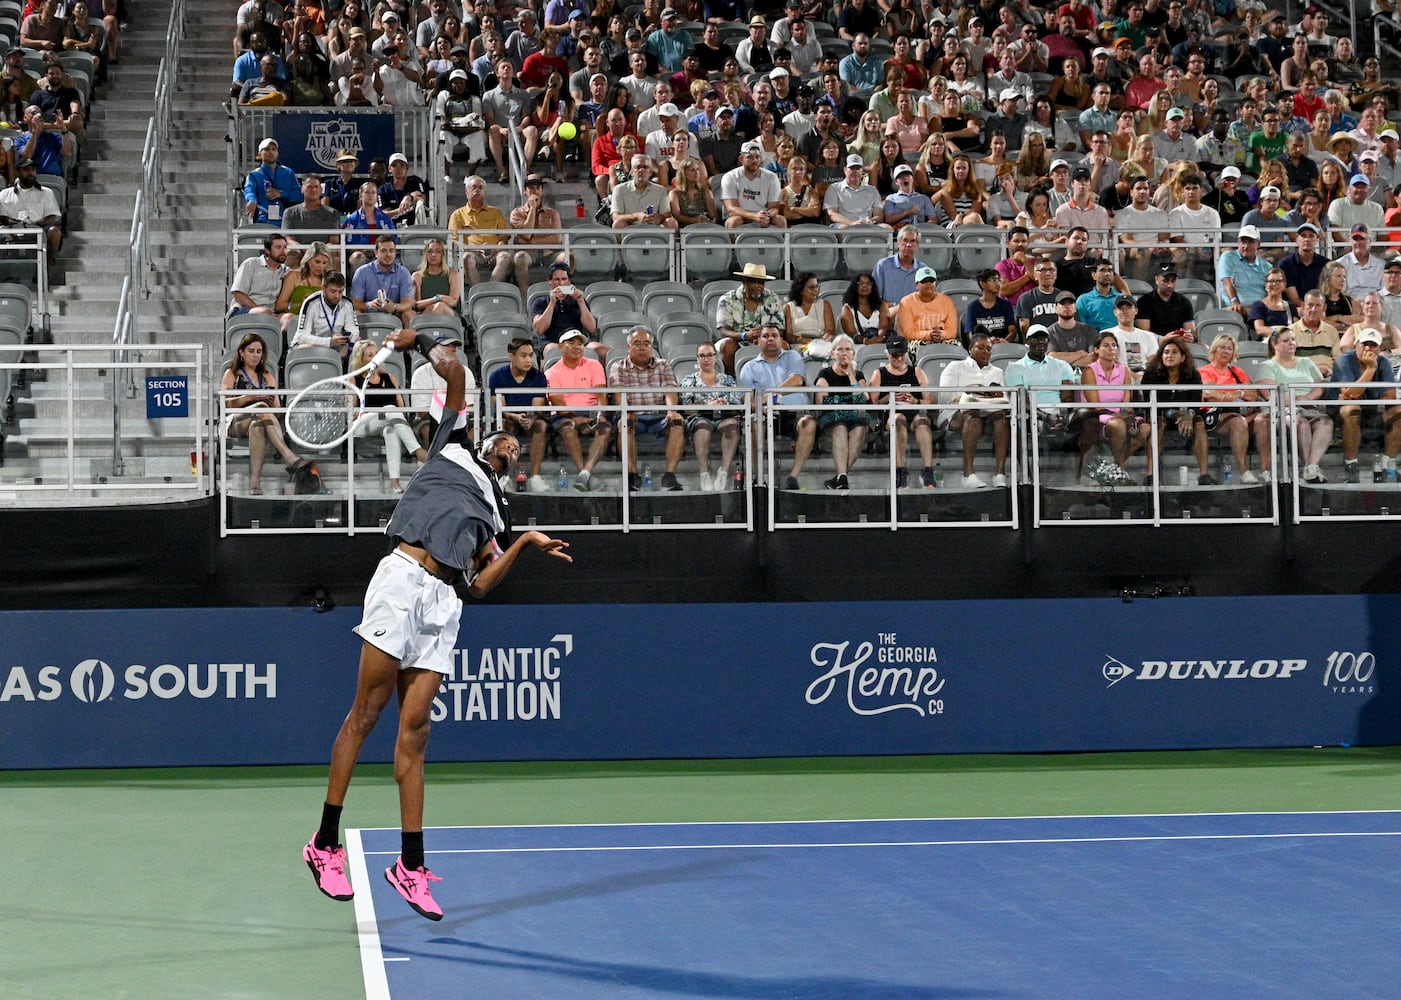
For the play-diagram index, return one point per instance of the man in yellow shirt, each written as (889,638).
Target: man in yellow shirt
(479,218)
(925,315)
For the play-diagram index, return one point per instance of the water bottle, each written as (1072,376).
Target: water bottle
(647,479)
(579,209)
(520,479)
(1183,476)
(563,484)
(1378,469)
(737,480)
(1226,472)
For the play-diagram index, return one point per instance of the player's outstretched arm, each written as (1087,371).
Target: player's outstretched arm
(496,570)
(443,358)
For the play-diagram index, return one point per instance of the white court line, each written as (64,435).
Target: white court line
(911,843)
(907,819)
(367,928)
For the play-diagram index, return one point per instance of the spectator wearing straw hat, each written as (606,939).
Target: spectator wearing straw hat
(742,311)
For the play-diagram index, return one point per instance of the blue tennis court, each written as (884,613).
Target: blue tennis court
(1203,905)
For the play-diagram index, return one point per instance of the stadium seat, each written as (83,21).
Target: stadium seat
(765,247)
(814,248)
(646,253)
(706,252)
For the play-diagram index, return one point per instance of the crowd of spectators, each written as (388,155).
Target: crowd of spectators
(1162,128)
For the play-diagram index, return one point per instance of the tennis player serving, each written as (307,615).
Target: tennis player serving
(451,526)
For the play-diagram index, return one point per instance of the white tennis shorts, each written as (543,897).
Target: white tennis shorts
(411,615)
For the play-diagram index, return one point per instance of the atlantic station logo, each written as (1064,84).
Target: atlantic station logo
(878,677)
(1343,672)
(504,683)
(95,681)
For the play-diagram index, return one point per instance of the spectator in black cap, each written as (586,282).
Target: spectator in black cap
(907,382)
(26,204)
(563,308)
(1165,310)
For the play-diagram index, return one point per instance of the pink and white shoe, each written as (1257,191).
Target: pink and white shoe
(328,869)
(413,886)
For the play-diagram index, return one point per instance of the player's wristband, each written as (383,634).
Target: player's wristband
(425,342)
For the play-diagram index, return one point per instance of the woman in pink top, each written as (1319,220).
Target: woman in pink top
(1127,434)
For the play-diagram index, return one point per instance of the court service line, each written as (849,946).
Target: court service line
(894,819)
(994,842)
(367,928)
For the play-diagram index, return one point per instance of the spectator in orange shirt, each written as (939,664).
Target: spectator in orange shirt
(925,315)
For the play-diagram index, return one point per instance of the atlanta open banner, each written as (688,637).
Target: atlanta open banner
(265,686)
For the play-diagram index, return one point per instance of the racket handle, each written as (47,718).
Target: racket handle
(381,357)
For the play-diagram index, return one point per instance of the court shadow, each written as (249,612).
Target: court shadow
(704,868)
(683,982)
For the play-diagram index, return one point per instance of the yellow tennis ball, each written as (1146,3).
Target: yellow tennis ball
(567,131)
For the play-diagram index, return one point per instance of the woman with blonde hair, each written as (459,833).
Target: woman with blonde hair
(298,284)
(682,143)
(383,414)
(848,427)
(867,140)
(437,288)
(1033,162)
(800,200)
(987,168)
(1332,185)
(932,167)
(1339,308)
(1143,153)
(620,173)
(1156,119)
(692,201)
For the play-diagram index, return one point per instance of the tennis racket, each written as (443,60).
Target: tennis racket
(319,417)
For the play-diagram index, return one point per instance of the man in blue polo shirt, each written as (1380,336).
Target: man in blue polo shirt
(384,285)
(895,275)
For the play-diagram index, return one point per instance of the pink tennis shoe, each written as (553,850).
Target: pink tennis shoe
(413,886)
(328,869)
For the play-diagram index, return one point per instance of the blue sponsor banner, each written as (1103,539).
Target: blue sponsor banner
(167,396)
(263,685)
(309,143)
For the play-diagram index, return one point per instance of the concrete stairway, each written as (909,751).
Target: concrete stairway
(186,244)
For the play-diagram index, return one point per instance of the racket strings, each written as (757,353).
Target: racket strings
(322,416)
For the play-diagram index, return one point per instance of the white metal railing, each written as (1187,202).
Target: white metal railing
(81,454)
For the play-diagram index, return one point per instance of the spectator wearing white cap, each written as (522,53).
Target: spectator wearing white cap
(1241,272)
(1388,159)
(459,115)
(1367,167)
(720,150)
(267,190)
(1008,120)
(752,196)
(660,143)
(851,201)
(905,205)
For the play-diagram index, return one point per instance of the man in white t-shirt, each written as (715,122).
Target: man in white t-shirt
(1194,225)
(1136,345)
(1140,222)
(751,194)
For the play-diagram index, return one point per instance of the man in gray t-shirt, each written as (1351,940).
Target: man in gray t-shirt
(313,213)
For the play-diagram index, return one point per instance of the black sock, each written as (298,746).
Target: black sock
(328,835)
(411,849)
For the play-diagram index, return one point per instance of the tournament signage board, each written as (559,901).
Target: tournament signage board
(271,685)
